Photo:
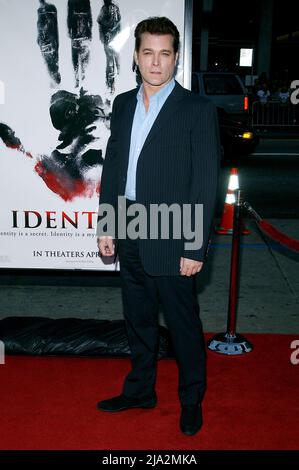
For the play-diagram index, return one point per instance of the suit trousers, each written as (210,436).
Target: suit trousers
(141,293)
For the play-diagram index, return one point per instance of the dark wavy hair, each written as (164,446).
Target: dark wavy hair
(157,25)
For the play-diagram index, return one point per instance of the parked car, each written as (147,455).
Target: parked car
(237,139)
(226,90)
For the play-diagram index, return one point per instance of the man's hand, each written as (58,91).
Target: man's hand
(106,246)
(189,267)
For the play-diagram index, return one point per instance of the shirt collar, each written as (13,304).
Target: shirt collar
(160,95)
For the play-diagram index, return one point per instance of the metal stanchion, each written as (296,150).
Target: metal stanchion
(231,343)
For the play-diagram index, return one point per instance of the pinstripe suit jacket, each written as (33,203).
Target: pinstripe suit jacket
(177,164)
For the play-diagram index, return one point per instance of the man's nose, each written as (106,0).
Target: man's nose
(156,59)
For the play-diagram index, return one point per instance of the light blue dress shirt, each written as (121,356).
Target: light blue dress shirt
(142,124)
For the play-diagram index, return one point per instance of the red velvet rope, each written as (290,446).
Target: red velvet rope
(277,235)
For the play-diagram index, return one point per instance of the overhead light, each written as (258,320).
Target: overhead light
(246,57)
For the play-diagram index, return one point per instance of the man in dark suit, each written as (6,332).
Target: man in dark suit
(163,149)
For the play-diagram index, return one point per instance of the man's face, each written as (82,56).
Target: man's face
(156,59)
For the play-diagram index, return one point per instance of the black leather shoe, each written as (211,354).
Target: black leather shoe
(121,403)
(191,419)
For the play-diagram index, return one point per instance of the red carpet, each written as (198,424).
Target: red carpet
(251,403)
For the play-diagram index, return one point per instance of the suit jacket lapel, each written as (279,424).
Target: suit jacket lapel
(127,123)
(170,106)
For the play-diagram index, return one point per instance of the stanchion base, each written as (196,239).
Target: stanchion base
(224,343)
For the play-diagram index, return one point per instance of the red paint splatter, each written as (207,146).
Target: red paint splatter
(18,147)
(65,186)
(13,146)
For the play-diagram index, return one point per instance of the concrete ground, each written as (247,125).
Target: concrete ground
(268,295)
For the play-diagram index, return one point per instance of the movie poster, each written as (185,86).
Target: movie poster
(62,62)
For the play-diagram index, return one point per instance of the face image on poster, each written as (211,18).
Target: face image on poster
(62,64)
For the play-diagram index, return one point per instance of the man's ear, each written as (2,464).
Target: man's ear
(176,59)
